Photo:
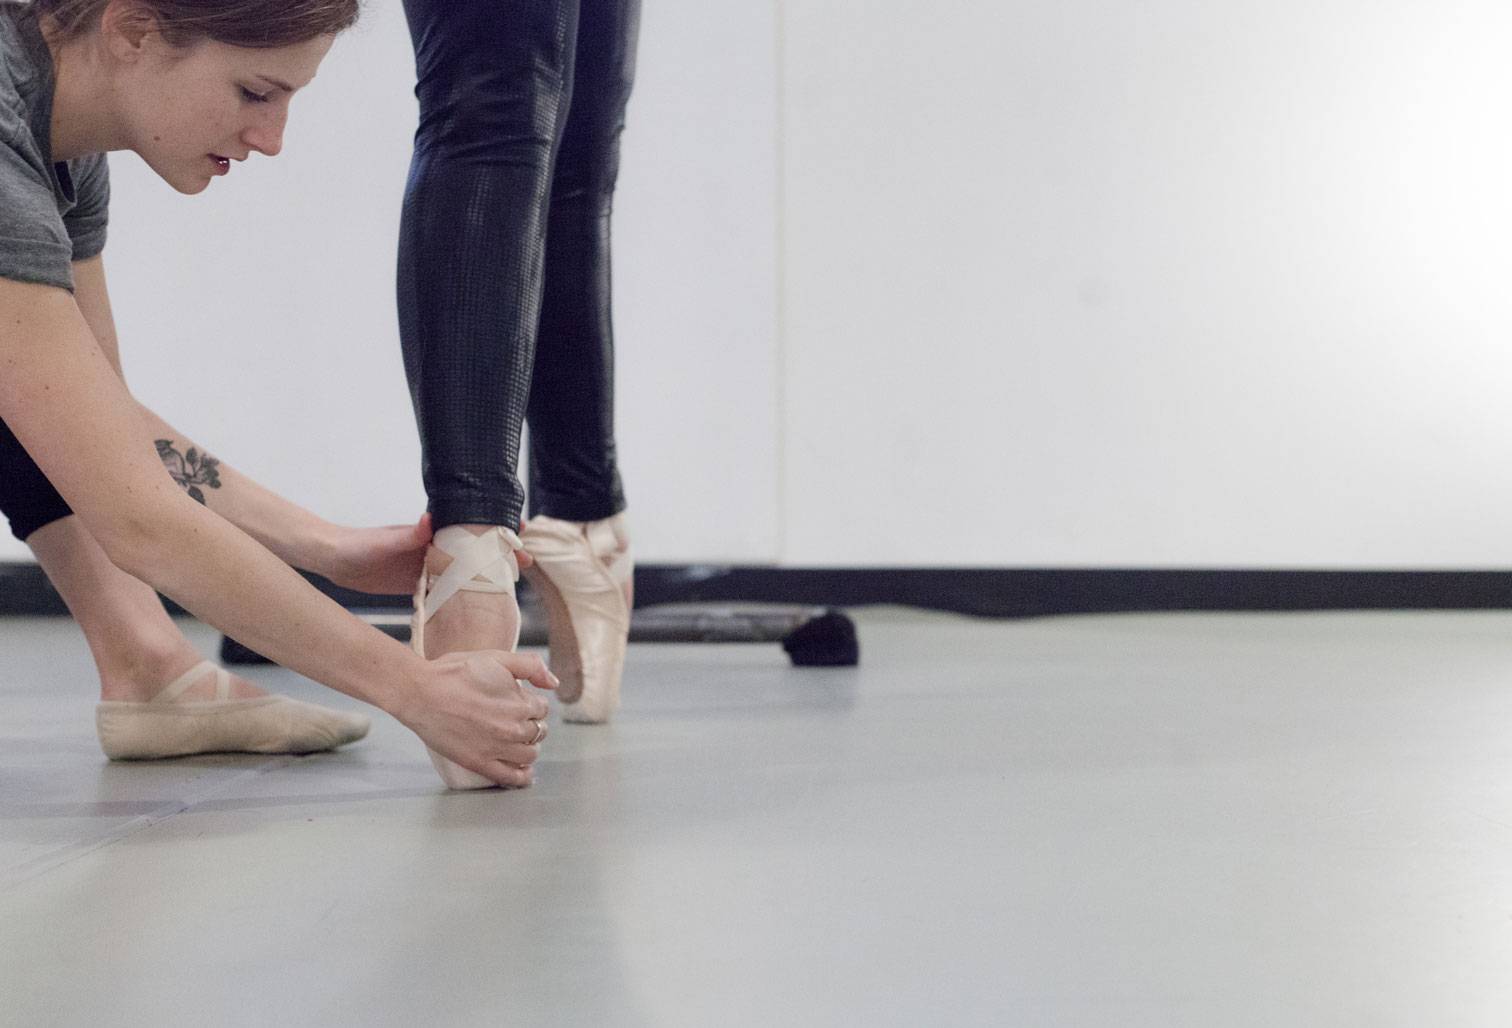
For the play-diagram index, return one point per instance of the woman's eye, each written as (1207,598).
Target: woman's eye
(255,98)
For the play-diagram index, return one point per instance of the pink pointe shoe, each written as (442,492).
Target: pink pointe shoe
(165,726)
(584,574)
(480,564)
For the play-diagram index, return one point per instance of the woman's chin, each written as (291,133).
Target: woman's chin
(184,180)
(189,185)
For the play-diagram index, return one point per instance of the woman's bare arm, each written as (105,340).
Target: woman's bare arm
(66,404)
(64,400)
(298,536)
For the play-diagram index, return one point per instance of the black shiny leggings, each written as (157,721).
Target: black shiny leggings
(504,287)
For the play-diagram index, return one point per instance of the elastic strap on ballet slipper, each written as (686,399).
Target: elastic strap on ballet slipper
(176,688)
(160,727)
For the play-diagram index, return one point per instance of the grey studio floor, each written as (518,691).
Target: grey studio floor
(1184,819)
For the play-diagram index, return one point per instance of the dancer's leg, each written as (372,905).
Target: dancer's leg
(136,646)
(139,652)
(574,472)
(494,84)
(579,541)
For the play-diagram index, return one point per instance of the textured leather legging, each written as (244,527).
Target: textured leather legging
(504,283)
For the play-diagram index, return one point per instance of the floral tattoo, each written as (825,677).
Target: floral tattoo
(190,470)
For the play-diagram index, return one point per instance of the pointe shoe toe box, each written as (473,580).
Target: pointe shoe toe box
(582,572)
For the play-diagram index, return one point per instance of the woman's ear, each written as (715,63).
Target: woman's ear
(127,27)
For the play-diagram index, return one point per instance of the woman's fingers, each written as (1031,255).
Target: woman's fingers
(508,764)
(534,731)
(520,754)
(522,557)
(525,667)
(523,728)
(507,775)
(496,726)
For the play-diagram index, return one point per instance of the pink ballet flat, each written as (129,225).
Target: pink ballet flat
(166,727)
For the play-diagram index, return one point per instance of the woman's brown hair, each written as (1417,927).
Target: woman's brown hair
(255,24)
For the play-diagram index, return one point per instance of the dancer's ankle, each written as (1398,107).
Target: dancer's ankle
(128,671)
(437,560)
(140,675)
(469,620)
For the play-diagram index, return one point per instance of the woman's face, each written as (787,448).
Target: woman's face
(191,111)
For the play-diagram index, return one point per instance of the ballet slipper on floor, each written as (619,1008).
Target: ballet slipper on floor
(162,727)
(583,572)
(481,564)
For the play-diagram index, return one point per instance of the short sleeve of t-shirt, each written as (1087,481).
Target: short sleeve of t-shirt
(86,221)
(35,245)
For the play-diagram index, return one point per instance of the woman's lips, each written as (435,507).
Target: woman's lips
(222,164)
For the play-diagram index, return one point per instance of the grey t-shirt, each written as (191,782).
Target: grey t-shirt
(51,213)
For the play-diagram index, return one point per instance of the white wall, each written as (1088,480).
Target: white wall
(1174,283)
(1073,284)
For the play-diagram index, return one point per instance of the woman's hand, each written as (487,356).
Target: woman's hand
(385,561)
(471,708)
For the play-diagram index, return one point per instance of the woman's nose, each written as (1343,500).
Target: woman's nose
(266,137)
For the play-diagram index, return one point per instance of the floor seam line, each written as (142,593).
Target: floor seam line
(36,867)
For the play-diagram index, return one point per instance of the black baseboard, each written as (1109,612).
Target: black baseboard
(985,592)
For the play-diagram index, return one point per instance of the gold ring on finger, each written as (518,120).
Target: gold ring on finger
(540,731)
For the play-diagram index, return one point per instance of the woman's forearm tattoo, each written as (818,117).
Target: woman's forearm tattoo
(190,470)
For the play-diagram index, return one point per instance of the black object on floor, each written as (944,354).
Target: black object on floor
(811,636)
(828,640)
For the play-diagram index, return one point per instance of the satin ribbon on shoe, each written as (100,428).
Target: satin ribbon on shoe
(473,557)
